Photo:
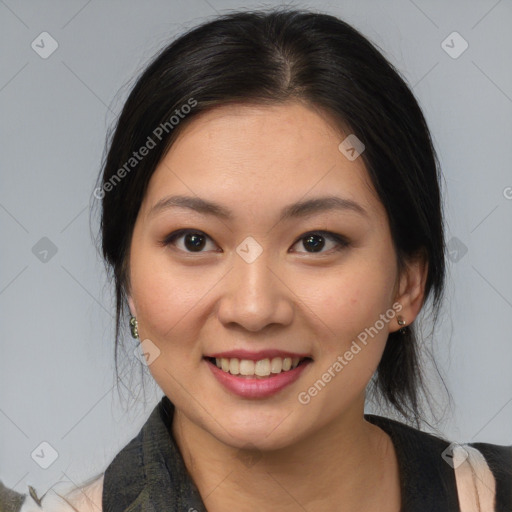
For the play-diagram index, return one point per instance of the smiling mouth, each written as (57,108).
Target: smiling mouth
(263,368)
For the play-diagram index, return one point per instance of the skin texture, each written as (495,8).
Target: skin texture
(255,160)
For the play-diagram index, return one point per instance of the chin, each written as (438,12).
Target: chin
(262,431)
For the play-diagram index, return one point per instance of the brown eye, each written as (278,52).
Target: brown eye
(314,242)
(193,241)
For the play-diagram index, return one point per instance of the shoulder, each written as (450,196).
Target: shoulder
(64,497)
(476,471)
(412,442)
(499,457)
(494,462)
(483,473)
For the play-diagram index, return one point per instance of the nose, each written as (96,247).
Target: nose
(256,295)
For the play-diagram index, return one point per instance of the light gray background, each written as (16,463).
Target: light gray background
(56,371)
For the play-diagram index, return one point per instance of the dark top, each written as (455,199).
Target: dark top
(149,474)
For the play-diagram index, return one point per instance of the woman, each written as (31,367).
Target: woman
(271,215)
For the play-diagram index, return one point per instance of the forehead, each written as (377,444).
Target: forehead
(261,155)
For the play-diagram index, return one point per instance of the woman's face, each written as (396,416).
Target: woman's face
(267,285)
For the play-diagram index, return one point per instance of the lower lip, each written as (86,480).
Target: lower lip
(260,387)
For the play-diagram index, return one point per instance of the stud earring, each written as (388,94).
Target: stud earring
(401,322)
(134,327)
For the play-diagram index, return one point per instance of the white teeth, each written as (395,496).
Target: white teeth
(234,366)
(260,368)
(277,365)
(246,367)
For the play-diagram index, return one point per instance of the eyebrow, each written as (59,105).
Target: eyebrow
(295,210)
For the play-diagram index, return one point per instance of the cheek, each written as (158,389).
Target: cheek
(354,300)
(163,294)
(167,301)
(350,305)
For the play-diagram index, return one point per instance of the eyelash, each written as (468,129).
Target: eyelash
(340,240)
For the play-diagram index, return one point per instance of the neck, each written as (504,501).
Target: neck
(349,464)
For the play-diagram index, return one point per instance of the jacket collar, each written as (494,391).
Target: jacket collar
(149,474)
(427,482)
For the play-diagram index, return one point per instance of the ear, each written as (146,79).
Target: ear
(133,309)
(411,289)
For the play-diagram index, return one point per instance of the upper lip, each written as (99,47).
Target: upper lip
(256,356)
